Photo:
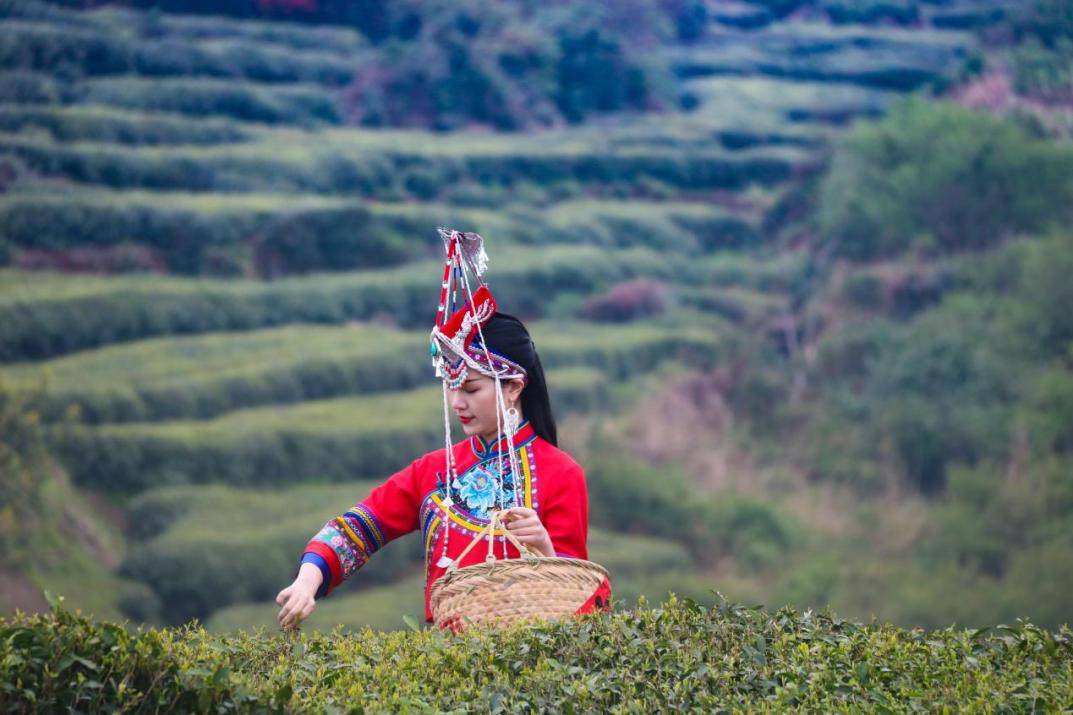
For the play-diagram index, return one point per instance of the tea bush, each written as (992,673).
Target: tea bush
(318,440)
(628,496)
(46,315)
(203,376)
(679,656)
(100,124)
(382,173)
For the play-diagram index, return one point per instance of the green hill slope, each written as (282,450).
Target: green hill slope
(808,336)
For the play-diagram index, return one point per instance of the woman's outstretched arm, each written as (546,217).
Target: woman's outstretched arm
(345,544)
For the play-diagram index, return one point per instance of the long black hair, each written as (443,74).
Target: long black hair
(506,335)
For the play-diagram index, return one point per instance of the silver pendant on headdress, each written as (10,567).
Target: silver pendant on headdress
(471,249)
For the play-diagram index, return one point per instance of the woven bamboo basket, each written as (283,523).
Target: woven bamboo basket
(502,592)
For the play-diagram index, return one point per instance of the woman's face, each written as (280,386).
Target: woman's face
(474,403)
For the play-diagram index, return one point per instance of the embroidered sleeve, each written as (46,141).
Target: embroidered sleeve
(566,514)
(349,540)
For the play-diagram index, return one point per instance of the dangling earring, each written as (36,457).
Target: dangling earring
(513,418)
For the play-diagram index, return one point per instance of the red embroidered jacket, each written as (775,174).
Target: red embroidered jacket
(549,481)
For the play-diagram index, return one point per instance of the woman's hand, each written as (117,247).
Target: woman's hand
(299,599)
(527,528)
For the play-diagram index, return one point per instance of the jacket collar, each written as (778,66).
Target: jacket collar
(484,450)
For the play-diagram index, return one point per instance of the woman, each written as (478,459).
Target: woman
(494,383)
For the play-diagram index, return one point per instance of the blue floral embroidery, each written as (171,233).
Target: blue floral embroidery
(477,488)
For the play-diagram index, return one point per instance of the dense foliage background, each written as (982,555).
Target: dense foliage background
(799,271)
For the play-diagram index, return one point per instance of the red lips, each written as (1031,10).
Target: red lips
(465,420)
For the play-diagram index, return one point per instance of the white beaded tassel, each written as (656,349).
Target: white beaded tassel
(511,431)
(476,259)
(499,392)
(448,475)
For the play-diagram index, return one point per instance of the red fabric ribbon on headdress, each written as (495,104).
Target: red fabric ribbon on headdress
(467,318)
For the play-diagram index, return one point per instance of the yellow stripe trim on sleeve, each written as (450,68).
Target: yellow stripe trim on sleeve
(350,533)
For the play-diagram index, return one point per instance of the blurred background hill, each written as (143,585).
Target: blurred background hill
(799,270)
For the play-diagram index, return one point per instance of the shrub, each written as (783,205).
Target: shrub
(386,174)
(236,57)
(765,661)
(139,602)
(319,440)
(864,290)
(204,376)
(100,312)
(627,301)
(551,64)
(1048,21)
(1044,72)
(902,12)
(185,538)
(28,88)
(192,577)
(67,51)
(941,178)
(331,237)
(132,458)
(22,463)
(1044,290)
(659,500)
(1050,410)
(72,124)
(304,104)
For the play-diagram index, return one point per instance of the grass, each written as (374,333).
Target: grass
(74,549)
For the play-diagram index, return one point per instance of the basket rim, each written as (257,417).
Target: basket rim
(480,568)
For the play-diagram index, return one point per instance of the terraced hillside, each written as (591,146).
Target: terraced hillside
(179,156)
(223,279)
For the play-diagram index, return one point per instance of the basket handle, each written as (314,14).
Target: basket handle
(495,517)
